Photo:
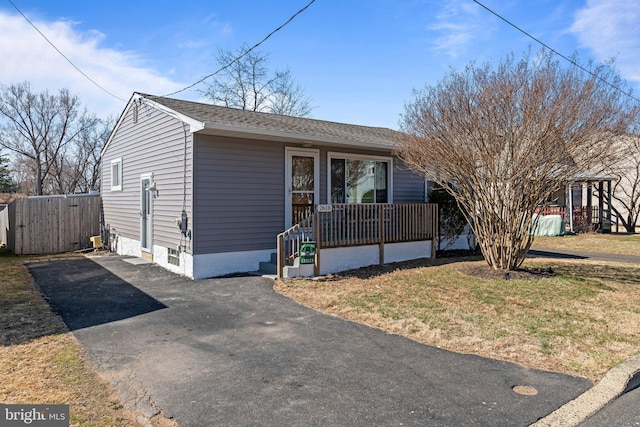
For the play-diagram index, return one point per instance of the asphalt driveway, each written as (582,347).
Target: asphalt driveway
(233,352)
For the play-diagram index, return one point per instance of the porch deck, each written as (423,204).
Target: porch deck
(344,225)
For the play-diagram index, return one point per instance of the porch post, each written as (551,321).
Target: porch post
(280,250)
(316,237)
(590,206)
(601,203)
(381,234)
(609,204)
(570,205)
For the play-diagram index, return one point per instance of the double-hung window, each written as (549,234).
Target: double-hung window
(359,179)
(116,174)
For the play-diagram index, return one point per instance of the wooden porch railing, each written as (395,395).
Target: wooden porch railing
(288,246)
(344,225)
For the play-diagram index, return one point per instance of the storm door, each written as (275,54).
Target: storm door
(302,184)
(146,224)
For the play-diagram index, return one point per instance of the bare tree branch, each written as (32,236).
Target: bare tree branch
(51,138)
(248,84)
(502,141)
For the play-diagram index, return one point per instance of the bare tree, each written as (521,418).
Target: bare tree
(77,169)
(288,97)
(246,83)
(38,127)
(503,140)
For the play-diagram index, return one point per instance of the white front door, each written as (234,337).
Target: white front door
(302,184)
(146,210)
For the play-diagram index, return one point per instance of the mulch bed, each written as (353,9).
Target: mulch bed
(447,257)
(486,272)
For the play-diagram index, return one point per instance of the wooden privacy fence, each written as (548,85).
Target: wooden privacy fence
(51,224)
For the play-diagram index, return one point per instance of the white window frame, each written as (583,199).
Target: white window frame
(354,156)
(116,185)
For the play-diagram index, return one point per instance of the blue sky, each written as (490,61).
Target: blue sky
(358,60)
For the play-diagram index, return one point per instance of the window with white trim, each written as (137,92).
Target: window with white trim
(359,179)
(116,174)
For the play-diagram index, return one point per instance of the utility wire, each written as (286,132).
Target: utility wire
(558,53)
(245,53)
(63,55)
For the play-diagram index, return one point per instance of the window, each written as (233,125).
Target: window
(116,174)
(173,256)
(359,179)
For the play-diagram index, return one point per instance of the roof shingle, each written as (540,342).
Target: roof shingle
(213,115)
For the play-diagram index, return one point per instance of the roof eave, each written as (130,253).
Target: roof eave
(194,125)
(273,135)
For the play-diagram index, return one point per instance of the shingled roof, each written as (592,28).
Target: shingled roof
(216,117)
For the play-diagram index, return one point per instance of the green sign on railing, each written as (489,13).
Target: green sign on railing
(307,252)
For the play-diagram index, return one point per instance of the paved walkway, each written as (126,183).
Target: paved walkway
(593,256)
(233,352)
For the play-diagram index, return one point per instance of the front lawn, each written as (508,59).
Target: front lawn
(579,318)
(614,243)
(42,363)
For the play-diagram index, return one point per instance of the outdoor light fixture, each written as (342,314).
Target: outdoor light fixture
(153,189)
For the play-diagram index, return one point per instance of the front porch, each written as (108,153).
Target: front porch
(577,208)
(581,219)
(382,233)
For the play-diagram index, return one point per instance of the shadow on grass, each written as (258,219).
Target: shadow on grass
(607,272)
(84,294)
(377,270)
(550,254)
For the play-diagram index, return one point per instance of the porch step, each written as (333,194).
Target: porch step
(271,266)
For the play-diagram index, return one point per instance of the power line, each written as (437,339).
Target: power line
(557,53)
(245,53)
(63,55)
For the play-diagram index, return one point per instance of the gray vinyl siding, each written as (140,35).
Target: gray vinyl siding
(155,145)
(408,187)
(239,195)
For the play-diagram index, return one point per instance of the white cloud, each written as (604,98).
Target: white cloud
(612,29)
(26,56)
(460,24)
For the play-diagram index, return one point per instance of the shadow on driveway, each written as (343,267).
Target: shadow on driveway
(233,352)
(80,280)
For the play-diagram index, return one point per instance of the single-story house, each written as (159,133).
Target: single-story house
(206,191)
